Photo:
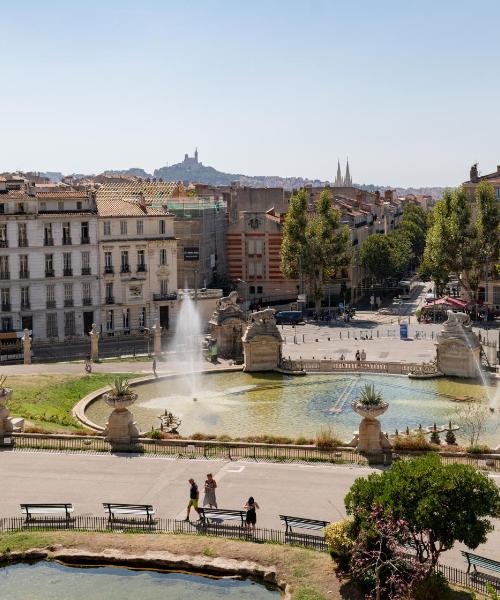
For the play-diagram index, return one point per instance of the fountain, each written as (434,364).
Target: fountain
(458,347)
(7,424)
(227,325)
(370,405)
(262,342)
(187,343)
(120,430)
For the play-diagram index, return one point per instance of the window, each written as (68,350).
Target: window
(22,236)
(251,289)
(25,297)
(49,265)
(125,267)
(86,293)
(110,320)
(251,247)
(498,193)
(85,232)
(52,325)
(163,257)
(50,294)
(78,206)
(164,286)
(2,208)
(108,262)
(109,292)
(123,227)
(142,317)
(69,324)
(86,263)
(48,240)
(66,234)
(60,206)
(258,269)
(68,294)
(251,269)
(43,205)
(20,207)
(4,242)
(258,246)
(259,289)
(140,227)
(496,294)
(161,226)
(126,318)
(7,324)
(4,267)
(106,227)
(67,270)
(141,260)
(5,296)
(23,267)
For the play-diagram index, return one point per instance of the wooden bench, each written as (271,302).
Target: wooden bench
(129,513)
(220,514)
(48,513)
(299,522)
(474,560)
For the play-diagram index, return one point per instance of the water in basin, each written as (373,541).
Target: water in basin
(242,404)
(49,580)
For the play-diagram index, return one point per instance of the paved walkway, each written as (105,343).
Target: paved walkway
(315,491)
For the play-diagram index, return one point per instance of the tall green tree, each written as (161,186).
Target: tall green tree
(441,504)
(315,245)
(376,256)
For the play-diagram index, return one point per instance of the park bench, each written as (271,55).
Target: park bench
(129,513)
(474,560)
(218,515)
(299,522)
(52,514)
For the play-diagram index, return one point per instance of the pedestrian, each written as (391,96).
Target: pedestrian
(363,355)
(154,367)
(194,496)
(209,498)
(88,365)
(251,518)
(358,356)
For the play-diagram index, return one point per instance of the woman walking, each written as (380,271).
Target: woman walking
(251,507)
(209,498)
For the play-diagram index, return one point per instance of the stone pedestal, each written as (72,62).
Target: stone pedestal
(27,347)
(458,349)
(370,437)
(156,329)
(7,423)
(94,343)
(121,431)
(262,342)
(227,326)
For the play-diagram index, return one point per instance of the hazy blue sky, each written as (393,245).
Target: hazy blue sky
(409,90)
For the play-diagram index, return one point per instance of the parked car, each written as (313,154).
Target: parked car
(292,317)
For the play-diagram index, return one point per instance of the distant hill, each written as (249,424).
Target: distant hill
(133,172)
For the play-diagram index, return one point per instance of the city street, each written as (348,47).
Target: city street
(87,480)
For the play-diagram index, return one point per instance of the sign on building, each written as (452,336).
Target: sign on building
(191,253)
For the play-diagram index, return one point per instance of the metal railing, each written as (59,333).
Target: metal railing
(331,365)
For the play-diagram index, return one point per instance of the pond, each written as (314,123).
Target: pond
(242,404)
(54,581)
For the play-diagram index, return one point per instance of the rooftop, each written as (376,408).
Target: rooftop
(130,207)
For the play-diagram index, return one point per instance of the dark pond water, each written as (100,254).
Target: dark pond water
(53,581)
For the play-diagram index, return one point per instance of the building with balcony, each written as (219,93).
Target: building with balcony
(137,257)
(48,258)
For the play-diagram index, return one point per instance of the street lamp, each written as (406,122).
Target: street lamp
(147,331)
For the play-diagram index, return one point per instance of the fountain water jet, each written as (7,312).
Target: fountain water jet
(187,343)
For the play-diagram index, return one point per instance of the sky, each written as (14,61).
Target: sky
(408,90)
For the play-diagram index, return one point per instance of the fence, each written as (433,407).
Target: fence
(158,526)
(339,366)
(474,581)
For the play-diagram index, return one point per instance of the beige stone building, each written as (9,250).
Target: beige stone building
(137,259)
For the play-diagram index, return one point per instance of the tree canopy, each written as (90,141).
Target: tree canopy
(442,504)
(314,244)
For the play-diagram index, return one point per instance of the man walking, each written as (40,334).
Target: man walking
(154,367)
(194,496)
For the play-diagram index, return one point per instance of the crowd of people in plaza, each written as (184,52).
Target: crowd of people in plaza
(210,500)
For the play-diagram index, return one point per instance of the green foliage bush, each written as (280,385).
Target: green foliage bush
(340,540)
(416,441)
(434,587)
(479,449)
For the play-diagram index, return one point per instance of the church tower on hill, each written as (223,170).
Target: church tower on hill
(343,181)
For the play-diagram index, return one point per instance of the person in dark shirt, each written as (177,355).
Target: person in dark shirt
(251,516)
(194,496)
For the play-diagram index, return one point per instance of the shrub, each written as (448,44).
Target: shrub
(369,396)
(120,387)
(434,587)
(478,449)
(339,537)
(416,441)
(326,439)
(155,434)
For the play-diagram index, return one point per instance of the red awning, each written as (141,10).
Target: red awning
(448,301)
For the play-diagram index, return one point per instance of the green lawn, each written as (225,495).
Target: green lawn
(45,401)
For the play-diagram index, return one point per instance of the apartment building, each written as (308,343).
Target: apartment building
(48,258)
(137,260)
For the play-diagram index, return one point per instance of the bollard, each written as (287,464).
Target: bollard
(316,339)
(340,335)
(378,333)
(303,338)
(348,335)
(328,339)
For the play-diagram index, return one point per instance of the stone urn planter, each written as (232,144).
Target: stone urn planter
(120,429)
(370,437)
(6,426)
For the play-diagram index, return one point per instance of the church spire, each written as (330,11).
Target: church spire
(347,178)
(196,154)
(338,179)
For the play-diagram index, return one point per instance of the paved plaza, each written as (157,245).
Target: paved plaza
(87,480)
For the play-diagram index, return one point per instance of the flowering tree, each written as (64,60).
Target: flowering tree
(379,562)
